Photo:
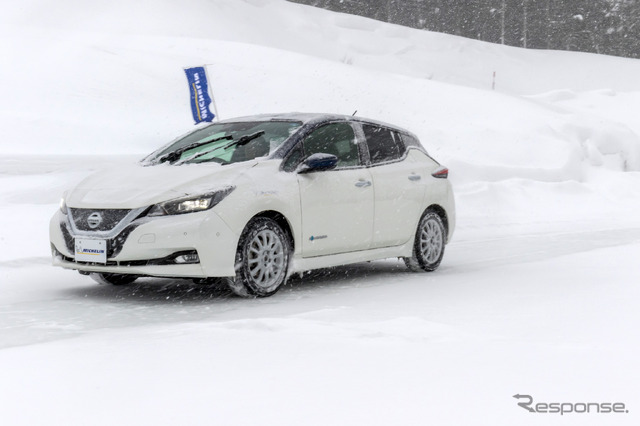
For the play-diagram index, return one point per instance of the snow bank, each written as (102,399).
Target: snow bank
(336,37)
(104,85)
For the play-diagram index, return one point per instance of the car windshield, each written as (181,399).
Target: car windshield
(226,143)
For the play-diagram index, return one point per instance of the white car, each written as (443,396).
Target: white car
(253,200)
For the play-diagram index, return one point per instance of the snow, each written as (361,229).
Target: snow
(536,295)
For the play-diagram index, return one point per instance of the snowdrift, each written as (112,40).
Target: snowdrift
(106,77)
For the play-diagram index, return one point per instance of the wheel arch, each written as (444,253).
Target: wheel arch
(282,221)
(442,213)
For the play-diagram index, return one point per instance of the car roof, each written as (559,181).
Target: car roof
(308,118)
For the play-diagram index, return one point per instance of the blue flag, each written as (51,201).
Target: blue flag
(200,98)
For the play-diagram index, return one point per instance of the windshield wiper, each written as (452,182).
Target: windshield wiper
(198,155)
(240,142)
(244,140)
(175,155)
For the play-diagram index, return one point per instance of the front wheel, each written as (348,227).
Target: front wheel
(113,279)
(428,247)
(262,259)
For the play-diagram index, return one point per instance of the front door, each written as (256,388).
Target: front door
(337,205)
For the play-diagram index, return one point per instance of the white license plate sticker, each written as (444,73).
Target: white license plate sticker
(91,250)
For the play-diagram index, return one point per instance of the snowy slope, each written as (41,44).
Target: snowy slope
(87,77)
(537,293)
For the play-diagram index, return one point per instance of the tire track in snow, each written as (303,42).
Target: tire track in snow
(524,248)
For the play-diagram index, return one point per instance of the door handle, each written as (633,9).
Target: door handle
(415,177)
(363,183)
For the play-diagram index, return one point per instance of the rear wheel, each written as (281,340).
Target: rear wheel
(428,247)
(113,279)
(262,259)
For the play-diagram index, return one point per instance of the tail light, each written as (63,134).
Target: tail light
(441,173)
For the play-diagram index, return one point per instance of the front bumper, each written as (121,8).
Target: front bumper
(145,244)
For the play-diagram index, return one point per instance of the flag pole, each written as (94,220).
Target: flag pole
(213,99)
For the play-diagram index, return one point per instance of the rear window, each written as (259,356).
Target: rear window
(384,144)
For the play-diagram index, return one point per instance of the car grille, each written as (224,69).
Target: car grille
(97,219)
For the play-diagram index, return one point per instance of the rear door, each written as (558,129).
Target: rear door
(399,186)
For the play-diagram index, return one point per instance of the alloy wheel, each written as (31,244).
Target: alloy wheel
(431,241)
(266,258)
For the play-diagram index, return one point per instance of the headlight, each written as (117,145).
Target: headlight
(190,204)
(63,206)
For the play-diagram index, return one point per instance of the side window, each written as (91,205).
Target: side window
(384,144)
(410,140)
(337,139)
(294,158)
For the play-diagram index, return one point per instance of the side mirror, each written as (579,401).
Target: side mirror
(318,162)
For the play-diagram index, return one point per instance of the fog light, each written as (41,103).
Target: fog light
(187,258)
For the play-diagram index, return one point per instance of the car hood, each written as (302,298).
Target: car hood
(132,186)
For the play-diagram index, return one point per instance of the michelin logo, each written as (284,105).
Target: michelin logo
(90,251)
(204,113)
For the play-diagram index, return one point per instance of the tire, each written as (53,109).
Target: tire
(262,259)
(113,279)
(429,244)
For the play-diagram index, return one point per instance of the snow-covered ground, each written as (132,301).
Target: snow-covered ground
(537,293)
